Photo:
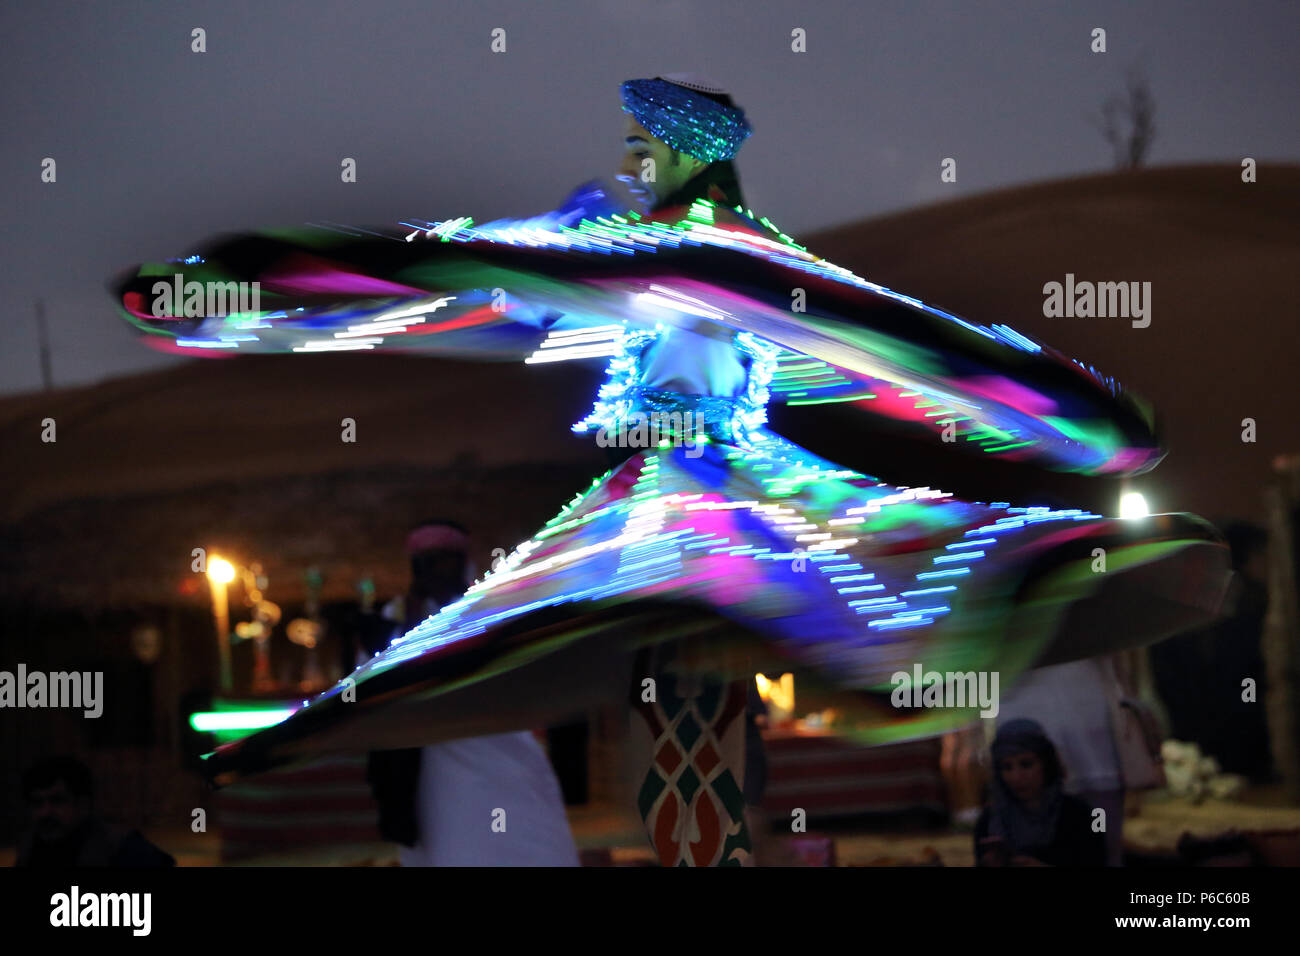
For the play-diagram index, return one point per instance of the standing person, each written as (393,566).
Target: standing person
(669,163)
(1030,820)
(1199,675)
(480,801)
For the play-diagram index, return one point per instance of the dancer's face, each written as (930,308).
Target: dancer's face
(652,182)
(1022,773)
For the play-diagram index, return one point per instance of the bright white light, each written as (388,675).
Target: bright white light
(220,570)
(1133,505)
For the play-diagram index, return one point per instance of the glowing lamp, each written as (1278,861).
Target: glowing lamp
(220,571)
(1133,505)
(778,695)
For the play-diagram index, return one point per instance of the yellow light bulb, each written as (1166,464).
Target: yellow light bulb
(1133,504)
(220,570)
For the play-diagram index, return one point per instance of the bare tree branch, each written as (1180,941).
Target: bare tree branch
(1127,121)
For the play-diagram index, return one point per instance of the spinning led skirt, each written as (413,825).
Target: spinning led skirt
(721,537)
(541,290)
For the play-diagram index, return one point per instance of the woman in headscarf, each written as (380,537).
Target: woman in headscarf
(1029,820)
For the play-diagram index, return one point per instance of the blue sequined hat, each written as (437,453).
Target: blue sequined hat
(675,110)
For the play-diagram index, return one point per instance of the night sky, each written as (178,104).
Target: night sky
(159,147)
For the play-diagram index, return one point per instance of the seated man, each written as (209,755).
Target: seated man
(66,832)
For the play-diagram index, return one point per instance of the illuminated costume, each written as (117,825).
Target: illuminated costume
(720,542)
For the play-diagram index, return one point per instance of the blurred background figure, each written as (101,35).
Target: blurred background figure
(1199,675)
(64,830)
(963,764)
(1100,731)
(1030,820)
(755,781)
(1106,738)
(438,802)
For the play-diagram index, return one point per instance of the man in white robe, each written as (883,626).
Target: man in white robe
(479,801)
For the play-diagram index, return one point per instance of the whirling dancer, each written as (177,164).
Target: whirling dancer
(717,548)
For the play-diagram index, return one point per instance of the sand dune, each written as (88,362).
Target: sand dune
(1222,258)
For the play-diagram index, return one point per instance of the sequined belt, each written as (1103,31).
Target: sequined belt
(685,417)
